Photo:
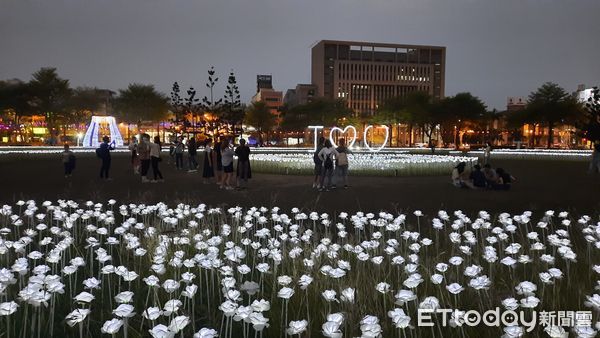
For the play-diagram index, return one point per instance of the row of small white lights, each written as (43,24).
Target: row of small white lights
(366,160)
(536,152)
(56,150)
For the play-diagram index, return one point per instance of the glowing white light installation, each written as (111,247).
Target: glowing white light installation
(91,135)
(316,130)
(350,144)
(343,131)
(387,136)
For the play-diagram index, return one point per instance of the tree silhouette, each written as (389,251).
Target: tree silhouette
(551,105)
(192,107)
(231,112)
(210,104)
(459,111)
(16,97)
(139,102)
(49,96)
(82,104)
(176,102)
(259,116)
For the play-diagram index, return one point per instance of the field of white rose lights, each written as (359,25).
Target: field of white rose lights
(69,269)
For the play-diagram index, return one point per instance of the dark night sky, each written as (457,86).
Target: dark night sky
(495,48)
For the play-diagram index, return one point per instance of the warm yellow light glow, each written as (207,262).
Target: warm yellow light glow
(39,130)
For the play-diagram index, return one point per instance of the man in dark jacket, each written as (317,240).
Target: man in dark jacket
(192,151)
(103,153)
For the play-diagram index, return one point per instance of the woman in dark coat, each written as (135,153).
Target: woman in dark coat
(244,172)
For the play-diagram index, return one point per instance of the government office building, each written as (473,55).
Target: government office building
(366,74)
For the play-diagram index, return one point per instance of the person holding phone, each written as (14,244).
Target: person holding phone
(103,152)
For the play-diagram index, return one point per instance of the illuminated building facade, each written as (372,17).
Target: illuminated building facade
(366,74)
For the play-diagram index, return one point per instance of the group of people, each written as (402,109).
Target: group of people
(218,163)
(481,178)
(145,154)
(331,165)
(218,159)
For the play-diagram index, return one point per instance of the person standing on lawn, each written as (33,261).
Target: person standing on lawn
(68,160)
(155,159)
(227,163)
(218,168)
(243,166)
(179,149)
(318,163)
(341,163)
(103,152)
(144,155)
(595,161)
(135,161)
(192,151)
(208,166)
(327,155)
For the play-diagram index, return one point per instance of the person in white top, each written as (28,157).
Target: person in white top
(327,155)
(155,158)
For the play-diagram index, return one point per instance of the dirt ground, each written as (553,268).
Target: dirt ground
(541,185)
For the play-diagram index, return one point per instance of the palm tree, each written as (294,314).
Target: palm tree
(551,105)
(460,110)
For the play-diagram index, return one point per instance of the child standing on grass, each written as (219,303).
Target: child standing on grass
(68,160)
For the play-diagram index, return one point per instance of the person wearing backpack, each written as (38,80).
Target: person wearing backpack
(318,163)
(103,152)
(341,163)
(327,155)
(68,160)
